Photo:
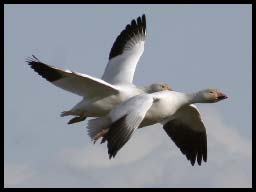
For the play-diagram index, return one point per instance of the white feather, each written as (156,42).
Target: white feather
(120,69)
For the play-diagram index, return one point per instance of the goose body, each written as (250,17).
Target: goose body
(160,108)
(175,110)
(99,106)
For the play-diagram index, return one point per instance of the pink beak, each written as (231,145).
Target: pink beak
(221,96)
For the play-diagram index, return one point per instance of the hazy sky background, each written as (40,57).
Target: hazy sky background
(190,47)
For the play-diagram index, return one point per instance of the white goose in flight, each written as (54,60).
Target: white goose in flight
(175,110)
(101,95)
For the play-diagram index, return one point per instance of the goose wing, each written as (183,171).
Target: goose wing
(126,52)
(126,117)
(188,132)
(77,83)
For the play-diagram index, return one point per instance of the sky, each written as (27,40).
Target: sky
(190,47)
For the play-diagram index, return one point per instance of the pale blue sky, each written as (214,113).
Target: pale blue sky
(190,47)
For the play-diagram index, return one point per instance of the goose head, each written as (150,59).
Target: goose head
(158,87)
(210,96)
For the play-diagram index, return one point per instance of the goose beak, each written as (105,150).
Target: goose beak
(221,96)
(169,88)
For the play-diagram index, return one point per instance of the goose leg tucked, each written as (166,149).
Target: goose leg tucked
(76,119)
(102,133)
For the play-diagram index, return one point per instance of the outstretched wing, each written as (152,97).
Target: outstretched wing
(126,52)
(188,133)
(77,83)
(126,117)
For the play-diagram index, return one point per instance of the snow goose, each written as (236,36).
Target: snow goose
(175,110)
(101,95)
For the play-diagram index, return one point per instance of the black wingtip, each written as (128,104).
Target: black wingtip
(43,70)
(192,144)
(143,17)
(111,155)
(205,157)
(192,163)
(136,26)
(144,21)
(112,152)
(35,57)
(199,161)
(32,61)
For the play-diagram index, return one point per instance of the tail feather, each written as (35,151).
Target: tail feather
(96,125)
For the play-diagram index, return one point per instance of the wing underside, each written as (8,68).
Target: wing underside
(126,52)
(77,83)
